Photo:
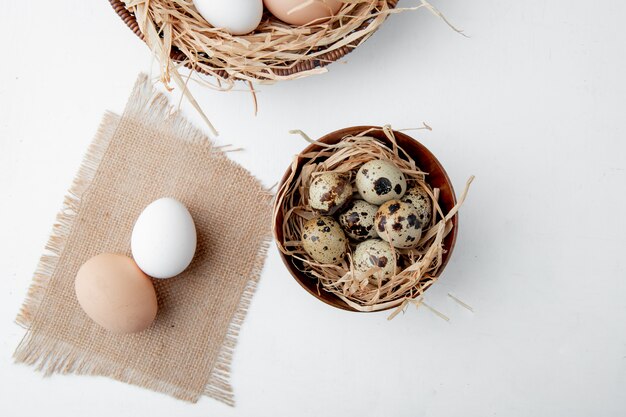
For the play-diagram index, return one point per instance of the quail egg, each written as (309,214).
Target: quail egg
(375,252)
(420,199)
(378,181)
(324,240)
(398,223)
(328,192)
(357,220)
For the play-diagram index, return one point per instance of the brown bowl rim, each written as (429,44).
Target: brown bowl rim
(305,65)
(335,137)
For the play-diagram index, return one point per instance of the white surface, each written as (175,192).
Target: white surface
(533,104)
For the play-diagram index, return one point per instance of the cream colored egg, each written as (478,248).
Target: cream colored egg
(422,202)
(328,192)
(357,220)
(302,12)
(378,181)
(324,240)
(397,222)
(375,253)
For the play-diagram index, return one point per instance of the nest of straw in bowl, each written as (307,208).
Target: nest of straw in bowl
(421,265)
(178,34)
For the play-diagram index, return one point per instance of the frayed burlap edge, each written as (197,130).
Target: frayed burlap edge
(53,356)
(65,220)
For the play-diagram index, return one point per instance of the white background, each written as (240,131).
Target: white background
(533,104)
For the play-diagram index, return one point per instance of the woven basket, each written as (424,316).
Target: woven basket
(290,69)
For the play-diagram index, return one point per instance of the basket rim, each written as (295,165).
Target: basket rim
(305,65)
(335,137)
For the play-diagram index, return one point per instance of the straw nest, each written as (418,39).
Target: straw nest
(179,36)
(421,264)
(275,51)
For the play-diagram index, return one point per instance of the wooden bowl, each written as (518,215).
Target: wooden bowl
(425,160)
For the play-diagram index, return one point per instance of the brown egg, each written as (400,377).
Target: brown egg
(116,294)
(316,12)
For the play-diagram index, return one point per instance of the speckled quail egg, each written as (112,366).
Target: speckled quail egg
(398,223)
(375,252)
(420,199)
(379,181)
(328,192)
(357,220)
(324,240)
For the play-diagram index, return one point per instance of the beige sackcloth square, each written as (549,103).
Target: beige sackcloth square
(147,153)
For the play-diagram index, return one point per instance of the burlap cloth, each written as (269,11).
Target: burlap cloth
(147,153)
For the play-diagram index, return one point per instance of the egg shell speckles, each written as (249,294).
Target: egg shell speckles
(379,181)
(375,253)
(398,223)
(324,240)
(420,199)
(357,220)
(328,192)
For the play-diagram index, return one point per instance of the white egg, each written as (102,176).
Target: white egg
(163,241)
(237,17)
